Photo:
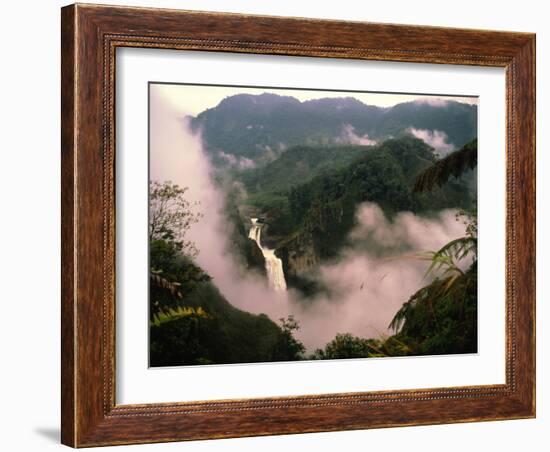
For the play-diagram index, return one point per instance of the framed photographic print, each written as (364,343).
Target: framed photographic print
(281,225)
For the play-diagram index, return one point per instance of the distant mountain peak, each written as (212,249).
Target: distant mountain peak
(257,126)
(344,101)
(256,99)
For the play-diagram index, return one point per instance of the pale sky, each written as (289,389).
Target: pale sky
(194,99)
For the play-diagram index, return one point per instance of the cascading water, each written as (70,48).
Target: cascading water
(273,265)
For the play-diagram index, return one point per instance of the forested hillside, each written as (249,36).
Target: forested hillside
(191,322)
(293,176)
(260,127)
(308,201)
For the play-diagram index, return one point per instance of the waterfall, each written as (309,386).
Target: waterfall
(273,265)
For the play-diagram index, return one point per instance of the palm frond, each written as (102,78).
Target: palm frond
(171,314)
(459,248)
(426,295)
(163,283)
(455,164)
(449,277)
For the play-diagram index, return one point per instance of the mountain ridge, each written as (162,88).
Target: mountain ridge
(260,127)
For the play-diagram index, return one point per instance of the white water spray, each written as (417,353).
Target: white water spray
(273,265)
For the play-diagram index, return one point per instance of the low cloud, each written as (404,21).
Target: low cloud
(406,229)
(348,136)
(177,154)
(376,274)
(238,162)
(368,283)
(437,139)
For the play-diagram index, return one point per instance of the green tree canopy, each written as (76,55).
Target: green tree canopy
(171,215)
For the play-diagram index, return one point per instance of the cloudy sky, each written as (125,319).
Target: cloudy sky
(194,99)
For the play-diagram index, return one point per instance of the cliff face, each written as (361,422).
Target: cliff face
(303,252)
(242,245)
(298,255)
(301,263)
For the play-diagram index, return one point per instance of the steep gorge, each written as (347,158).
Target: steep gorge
(323,209)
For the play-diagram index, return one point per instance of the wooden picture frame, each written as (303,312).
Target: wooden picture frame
(90,36)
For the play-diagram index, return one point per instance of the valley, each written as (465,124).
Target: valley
(339,230)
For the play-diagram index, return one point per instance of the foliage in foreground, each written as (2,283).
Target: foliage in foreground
(208,329)
(190,322)
(455,164)
(440,318)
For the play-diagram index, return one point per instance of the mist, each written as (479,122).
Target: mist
(238,162)
(377,273)
(348,136)
(177,155)
(368,283)
(434,138)
(433,101)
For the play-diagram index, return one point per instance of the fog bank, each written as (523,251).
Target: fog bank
(437,139)
(369,283)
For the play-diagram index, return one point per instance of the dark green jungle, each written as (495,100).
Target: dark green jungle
(305,168)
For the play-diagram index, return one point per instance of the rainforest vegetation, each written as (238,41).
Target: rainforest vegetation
(304,181)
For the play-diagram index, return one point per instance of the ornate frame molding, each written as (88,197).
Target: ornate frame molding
(90,37)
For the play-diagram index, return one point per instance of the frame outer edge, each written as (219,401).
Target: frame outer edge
(86,420)
(526,130)
(534,226)
(68,230)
